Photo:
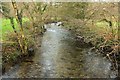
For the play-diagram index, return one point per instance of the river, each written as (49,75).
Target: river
(59,57)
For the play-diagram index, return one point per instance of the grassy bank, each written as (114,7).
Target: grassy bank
(6,27)
(11,53)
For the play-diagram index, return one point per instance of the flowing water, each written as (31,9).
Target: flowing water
(58,57)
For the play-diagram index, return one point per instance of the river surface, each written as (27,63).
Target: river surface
(58,57)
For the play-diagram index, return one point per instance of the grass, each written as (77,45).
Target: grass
(7,28)
(103,26)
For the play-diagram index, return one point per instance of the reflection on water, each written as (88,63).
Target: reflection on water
(59,57)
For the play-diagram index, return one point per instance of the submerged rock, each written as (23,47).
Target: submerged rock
(80,42)
(107,49)
(3,70)
(31,52)
(90,44)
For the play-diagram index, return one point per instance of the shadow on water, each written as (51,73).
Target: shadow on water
(59,57)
